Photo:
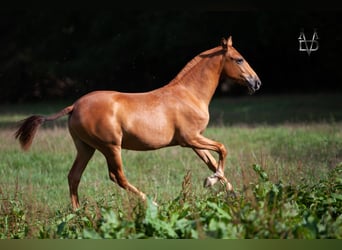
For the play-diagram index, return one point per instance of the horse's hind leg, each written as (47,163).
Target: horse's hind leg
(115,169)
(84,153)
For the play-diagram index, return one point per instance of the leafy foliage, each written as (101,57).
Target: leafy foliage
(262,210)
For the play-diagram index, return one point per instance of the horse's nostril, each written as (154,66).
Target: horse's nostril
(258,84)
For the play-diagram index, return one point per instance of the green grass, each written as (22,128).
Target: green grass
(280,109)
(297,140)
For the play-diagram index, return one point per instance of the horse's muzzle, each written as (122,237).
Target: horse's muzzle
(253,84)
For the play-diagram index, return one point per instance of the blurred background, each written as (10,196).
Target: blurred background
(49,54)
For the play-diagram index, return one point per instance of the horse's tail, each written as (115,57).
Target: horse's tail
(29,126)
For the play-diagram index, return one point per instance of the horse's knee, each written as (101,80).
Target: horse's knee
(223,150)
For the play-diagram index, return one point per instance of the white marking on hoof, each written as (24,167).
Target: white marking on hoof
(229,186)
(210,181)
(143,196)
(155,203)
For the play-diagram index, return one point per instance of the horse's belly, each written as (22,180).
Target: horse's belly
(147,139)
(133,143)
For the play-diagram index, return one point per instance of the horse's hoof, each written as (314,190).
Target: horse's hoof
(210,181)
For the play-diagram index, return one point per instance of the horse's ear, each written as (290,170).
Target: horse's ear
(230,41)
(224,43)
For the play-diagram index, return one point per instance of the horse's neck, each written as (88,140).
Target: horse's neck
(201,75)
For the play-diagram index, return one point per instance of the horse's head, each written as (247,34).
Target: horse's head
(237,68)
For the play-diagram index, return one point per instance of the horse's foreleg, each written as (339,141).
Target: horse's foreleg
(116,172)
(210,161)
(84,153)
(207,158)
(201,145)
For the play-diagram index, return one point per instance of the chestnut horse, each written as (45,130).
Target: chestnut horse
(175,114)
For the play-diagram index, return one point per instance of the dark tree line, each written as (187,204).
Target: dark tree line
(53,54)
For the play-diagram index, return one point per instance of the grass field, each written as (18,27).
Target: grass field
(288,147)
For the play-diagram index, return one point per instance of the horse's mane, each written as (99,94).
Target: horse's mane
(198,59)
(189,66)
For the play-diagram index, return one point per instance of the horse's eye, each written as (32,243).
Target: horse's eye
(239,61)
